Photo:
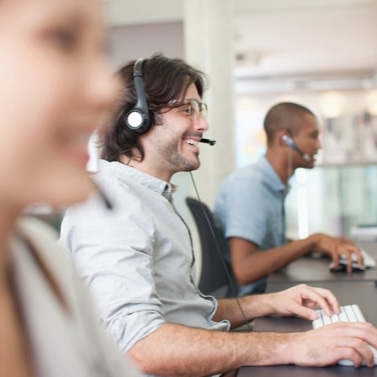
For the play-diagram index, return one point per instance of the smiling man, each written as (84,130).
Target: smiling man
(138,259)
(250,202)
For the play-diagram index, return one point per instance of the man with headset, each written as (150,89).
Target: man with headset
(250,202)
(138,258)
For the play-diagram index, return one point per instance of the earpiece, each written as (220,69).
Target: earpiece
(138,118)
(289,141)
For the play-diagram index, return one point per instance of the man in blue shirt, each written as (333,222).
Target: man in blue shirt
(250,202)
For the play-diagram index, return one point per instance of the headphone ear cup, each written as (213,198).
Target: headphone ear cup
(136,121)
(291,144)
(287,140)
(138,118)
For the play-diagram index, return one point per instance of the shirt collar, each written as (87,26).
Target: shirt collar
(157,185)
(272,179)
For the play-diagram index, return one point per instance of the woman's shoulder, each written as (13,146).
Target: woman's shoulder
(31,226)
(41,240)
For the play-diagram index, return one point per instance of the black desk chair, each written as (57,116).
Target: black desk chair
(216,277)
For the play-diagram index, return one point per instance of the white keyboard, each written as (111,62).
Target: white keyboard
(348,313)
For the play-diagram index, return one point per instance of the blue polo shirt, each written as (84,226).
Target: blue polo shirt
(250,205)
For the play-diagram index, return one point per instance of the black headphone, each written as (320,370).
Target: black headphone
(138,118)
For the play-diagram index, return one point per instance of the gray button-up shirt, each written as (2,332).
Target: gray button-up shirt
(138,258)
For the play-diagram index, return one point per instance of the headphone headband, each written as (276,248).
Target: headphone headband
(138,118)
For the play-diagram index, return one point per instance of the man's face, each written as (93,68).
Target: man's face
(173,146)
(307,139)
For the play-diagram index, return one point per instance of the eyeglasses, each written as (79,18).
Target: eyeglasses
(192,107)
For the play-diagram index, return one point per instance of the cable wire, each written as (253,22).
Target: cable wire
(221,256)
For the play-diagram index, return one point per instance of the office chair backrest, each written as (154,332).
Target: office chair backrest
(214,279)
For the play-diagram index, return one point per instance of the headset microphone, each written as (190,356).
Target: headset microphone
(208,141)
(289,141)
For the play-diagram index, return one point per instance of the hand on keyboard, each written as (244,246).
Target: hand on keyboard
(348,313)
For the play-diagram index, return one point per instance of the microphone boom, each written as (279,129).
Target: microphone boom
(208,141)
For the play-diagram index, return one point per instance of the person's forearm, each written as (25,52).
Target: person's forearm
(243,309)
(175,350)
(260,264)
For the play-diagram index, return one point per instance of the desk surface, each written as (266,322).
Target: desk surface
(363,293)
(309,269)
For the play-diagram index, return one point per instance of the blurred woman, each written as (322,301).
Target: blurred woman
(55,87)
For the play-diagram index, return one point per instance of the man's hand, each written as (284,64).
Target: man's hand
(336,248)
(301,301)
(331,343)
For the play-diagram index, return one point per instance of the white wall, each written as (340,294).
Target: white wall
(137,41)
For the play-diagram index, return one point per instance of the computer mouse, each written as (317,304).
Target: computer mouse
(349,363)
(342,267)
